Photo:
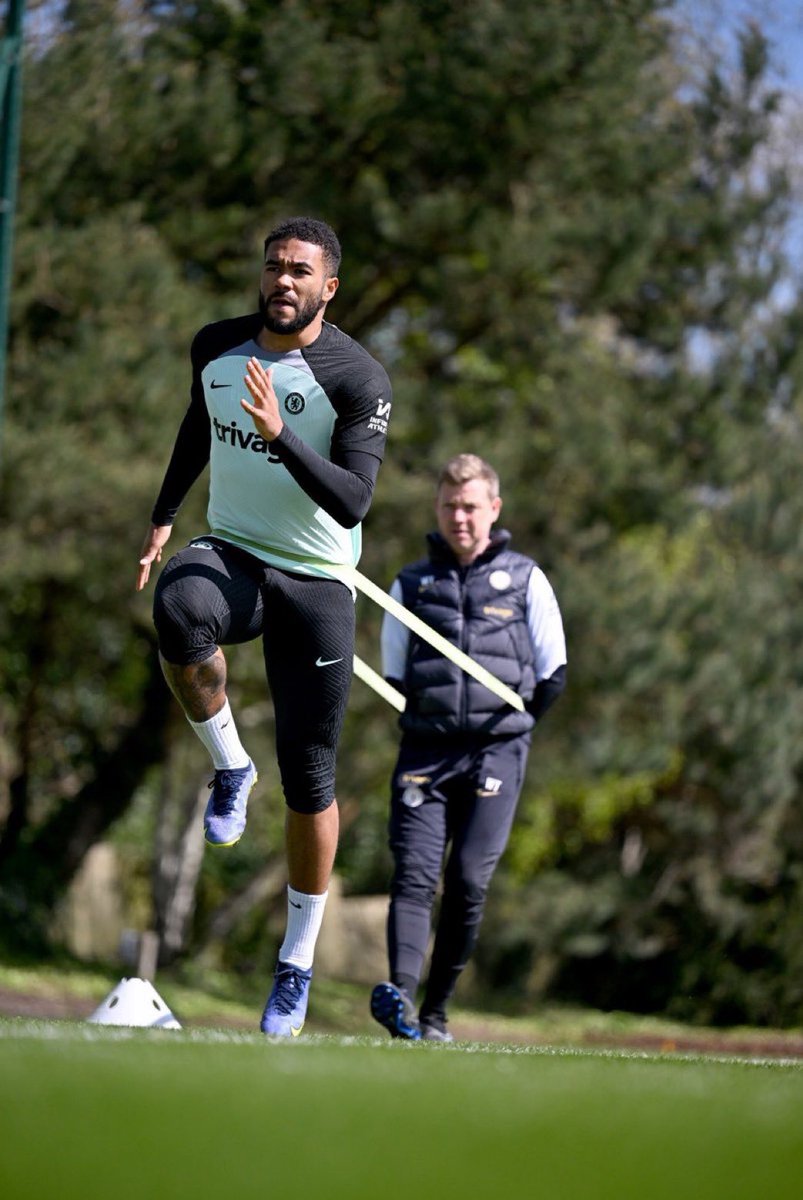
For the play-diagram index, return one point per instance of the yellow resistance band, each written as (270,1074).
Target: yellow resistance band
(351,575)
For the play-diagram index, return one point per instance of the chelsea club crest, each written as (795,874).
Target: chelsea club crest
(294,402)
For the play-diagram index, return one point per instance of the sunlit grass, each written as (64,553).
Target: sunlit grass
(222,999)
(93,1110)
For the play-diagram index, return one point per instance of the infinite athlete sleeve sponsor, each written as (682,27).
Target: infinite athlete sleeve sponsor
(358,388)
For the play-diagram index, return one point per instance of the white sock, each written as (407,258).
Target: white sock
(219,735)
(304,916)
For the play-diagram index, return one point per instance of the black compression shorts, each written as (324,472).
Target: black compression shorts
(214,594)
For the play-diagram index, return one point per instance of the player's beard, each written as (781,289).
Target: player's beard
(304,315)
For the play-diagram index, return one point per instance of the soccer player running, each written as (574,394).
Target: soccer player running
(292,471)
(463,750)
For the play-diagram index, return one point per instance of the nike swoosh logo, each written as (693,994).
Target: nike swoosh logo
(294,904)
(219,385)
(326,662)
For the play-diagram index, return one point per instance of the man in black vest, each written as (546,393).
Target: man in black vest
(464,750)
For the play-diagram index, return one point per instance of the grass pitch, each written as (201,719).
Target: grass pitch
(95,1111)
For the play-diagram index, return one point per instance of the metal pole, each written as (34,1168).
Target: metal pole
(10,109)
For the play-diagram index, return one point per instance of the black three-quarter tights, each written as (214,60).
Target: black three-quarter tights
(214,594)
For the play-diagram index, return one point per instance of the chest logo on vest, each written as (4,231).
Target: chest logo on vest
(426,581)
(294,402)
(500,580)
(490,610)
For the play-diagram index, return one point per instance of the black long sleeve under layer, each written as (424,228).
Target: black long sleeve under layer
(342,489)
(546,693)
(190,456)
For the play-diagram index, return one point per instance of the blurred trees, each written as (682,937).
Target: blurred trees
(563,242)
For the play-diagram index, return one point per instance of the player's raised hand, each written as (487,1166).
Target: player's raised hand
(265,408)
(151,552)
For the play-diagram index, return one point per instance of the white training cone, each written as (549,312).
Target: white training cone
(134,1002)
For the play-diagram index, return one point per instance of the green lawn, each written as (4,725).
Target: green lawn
(91,1111)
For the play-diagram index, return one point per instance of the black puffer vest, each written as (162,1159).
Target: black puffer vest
(482,610)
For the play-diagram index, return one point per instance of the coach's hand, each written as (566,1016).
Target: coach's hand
(265,409)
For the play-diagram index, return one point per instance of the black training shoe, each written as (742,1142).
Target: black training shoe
(393,1008)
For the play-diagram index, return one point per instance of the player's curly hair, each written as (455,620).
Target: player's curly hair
(308,229)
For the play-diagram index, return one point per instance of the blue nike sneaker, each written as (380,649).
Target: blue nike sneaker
(393,1008)
(286,1008)
(224,819)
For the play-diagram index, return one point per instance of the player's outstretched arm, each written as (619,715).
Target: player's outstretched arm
(151,552)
